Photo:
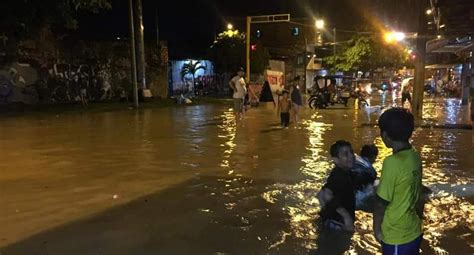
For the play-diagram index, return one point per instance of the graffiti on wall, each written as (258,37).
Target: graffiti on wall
(63,83)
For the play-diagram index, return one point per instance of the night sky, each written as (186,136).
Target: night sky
(190,26)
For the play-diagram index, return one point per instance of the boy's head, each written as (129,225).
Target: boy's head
(241,72)
(342,154)
(285,93)
(396,125)
(370,152)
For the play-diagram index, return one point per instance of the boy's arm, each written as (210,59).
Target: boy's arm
(324,196)
(232,85)
(379,212)
(348,221)
(422,198)
(384,195)
(332,202)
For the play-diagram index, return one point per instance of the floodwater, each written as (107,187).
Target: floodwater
(189,180)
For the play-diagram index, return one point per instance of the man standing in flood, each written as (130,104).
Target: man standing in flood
(237,84)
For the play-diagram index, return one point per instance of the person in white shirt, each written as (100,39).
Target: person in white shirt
(240,90)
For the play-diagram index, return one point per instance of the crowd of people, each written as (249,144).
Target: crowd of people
(451,88)
(288,105)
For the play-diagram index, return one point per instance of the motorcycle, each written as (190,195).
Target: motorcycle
(318,100)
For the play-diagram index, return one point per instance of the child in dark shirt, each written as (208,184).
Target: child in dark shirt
(337,198)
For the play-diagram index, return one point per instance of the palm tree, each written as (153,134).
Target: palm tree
(190,68)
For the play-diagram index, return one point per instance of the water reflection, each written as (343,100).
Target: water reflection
(445,212)
(302,205)
(227,132)
(448,111)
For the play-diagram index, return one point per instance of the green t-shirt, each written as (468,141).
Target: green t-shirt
(400,185)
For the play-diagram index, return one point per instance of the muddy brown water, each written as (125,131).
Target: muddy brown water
(189,180)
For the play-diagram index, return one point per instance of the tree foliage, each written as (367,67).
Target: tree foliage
(190,68)
(25,18)
(228,53)
(363,53)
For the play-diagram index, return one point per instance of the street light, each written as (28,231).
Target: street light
(230,26)
(319,24)
(391,37)
(429,12)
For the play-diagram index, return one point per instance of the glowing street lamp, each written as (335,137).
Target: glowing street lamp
(429,12)
(230,26)
(319,24)
(399,36)
(394,37)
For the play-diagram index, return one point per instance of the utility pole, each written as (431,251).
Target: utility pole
(305,64)
(247,50)
(417,103)
(140,44)
(334,37)
(133,58)
(157,28)
(472,79)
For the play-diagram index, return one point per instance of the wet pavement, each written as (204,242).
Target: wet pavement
(189,180)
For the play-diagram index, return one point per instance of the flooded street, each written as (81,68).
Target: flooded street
(189,180)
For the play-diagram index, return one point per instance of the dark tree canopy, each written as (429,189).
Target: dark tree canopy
(25,18)
(228,53)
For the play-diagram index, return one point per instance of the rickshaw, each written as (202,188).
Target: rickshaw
(330,90)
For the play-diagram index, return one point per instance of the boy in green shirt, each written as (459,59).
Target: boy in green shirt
(398,214)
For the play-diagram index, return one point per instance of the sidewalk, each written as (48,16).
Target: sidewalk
(20,109)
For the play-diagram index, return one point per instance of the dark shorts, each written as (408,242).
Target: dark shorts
(411,248)
(285,119)
(238,104)
(297,100)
